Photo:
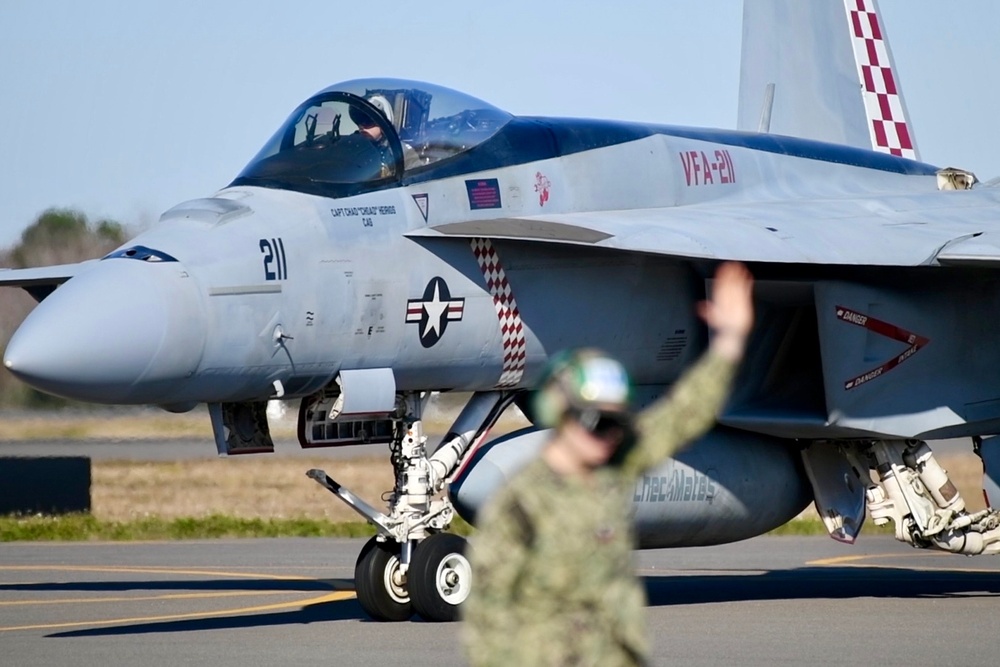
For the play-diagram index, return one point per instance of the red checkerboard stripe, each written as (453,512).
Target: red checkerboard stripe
(511,327)
(888,125)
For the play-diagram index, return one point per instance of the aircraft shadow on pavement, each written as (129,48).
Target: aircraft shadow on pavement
(313,613)
(819,583)
(802,583)
(339,610)
(186,585)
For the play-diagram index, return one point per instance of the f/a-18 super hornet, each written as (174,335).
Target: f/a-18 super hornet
(396,238)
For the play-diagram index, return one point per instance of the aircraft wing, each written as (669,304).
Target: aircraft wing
(875,231)
(982,250)
(41,281)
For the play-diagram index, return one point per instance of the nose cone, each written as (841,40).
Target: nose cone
(125,331)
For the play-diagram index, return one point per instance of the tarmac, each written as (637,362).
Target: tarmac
(765,601)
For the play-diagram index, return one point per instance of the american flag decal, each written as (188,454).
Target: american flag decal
(511,327)
(887,122)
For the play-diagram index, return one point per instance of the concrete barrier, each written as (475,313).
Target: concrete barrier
(44,485)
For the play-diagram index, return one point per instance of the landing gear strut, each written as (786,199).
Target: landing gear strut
(916,494)
(912,491)
(412,565)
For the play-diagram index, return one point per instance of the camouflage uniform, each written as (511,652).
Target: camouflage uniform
(552,558)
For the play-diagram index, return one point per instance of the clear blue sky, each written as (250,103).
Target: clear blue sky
(123,109)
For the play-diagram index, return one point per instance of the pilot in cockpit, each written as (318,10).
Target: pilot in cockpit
(370,128)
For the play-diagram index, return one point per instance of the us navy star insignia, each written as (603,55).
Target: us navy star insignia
(434,310)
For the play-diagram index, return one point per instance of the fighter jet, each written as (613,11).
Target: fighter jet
(396,238)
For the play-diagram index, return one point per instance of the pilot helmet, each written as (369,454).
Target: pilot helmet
(382,104)
(362,117)
(586,385)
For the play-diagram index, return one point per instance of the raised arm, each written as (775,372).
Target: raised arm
(691,407)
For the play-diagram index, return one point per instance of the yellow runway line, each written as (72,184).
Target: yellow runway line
(331,597)
(856,561)
(335,596)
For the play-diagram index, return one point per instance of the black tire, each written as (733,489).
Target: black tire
(381,599)
(440,577)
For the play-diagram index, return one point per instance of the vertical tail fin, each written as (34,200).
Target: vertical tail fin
(832,73)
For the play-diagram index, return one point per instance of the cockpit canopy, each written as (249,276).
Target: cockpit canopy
(361,135)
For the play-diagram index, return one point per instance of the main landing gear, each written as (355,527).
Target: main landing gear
(912,491)
(412,565)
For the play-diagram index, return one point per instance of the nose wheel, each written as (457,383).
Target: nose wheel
(434,586)
(380,582)
(440,577)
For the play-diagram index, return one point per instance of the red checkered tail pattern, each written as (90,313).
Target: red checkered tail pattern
(822,70)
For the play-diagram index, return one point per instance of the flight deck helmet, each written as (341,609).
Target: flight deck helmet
(585,385)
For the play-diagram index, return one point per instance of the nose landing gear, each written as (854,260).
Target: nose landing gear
(412,565)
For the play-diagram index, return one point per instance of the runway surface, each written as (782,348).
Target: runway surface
(766,601)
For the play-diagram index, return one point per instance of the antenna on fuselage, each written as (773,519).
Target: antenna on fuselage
(764,126)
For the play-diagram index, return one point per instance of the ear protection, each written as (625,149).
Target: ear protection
(550,402)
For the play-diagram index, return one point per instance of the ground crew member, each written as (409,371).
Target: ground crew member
(552,557)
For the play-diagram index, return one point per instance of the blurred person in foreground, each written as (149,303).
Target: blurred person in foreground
(552,556)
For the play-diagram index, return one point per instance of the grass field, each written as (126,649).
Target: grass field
(277,488)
